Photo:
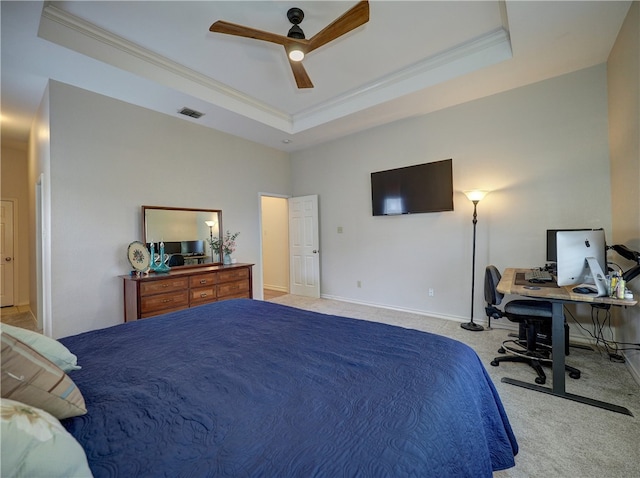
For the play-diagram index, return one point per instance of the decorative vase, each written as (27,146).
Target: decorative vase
(227,259)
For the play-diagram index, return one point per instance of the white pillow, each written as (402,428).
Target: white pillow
(45,346)
(35,444)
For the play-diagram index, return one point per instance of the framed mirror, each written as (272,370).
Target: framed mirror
(187,234)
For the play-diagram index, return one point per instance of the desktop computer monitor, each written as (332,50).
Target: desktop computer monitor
(552,255)
(171,247)
(192,248)
(581,258)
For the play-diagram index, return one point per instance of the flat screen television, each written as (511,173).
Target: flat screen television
(413,189)
(192,248)
(171,248)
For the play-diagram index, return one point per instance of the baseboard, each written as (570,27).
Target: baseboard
(276,288)
(501,325)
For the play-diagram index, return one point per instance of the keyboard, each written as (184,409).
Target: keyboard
(538,275)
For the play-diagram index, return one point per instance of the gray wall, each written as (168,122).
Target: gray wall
(541,149)
(107,159)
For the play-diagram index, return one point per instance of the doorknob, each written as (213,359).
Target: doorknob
(315,251)
(8,259)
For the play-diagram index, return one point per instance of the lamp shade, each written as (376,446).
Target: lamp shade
(210,223)
(476,194)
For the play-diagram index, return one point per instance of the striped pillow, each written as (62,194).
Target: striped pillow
(30,378)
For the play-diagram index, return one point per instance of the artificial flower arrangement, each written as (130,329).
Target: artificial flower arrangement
(228,243)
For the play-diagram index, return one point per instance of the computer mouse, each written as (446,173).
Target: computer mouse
(585,290)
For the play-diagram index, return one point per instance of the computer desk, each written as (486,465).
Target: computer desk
(558,296)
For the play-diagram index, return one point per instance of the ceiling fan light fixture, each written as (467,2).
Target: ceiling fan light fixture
(295,44)
(296,55)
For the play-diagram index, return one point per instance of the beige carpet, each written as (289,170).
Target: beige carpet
(557,437)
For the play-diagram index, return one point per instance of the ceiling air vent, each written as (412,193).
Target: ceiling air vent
(189,112)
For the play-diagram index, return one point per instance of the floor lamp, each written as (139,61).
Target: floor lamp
(211,224)
(475,197)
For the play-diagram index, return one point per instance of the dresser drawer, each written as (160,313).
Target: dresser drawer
(239,288)
(156,294)
(233,275)
(162,302)
(202,295)
(202,280)
(164,285)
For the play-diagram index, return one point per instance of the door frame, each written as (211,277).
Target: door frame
(260,292)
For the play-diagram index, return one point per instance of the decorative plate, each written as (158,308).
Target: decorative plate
(139,256)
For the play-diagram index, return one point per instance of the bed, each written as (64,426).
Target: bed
(250,388)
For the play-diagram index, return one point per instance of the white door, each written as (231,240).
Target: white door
(6,254)
(304,246)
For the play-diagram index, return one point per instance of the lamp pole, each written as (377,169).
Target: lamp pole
(211,224)
(474,197)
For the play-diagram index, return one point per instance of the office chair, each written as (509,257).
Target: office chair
(531,315)
(176,260)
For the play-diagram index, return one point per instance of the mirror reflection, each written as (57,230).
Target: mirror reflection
(187,234)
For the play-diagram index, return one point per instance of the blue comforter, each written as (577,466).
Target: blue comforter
(249,388)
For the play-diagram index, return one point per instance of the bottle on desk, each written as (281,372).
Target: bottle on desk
(620,286)
(613,285)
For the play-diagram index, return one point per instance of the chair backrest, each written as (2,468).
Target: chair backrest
(491,278)
(176,260)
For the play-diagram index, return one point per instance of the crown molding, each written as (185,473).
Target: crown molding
(77,34)
(81,36)
(488,49)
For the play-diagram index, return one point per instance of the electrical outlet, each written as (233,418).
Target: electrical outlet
(359,284)
(339,229)
(431,292)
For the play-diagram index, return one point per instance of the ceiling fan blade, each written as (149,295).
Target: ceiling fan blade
(232,29)
(300,74)
(353,18)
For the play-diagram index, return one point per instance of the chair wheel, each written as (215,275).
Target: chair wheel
(574,375)
(495,363)
(540,381)
(501,350)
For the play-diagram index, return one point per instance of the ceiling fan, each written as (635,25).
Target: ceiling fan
(295,43)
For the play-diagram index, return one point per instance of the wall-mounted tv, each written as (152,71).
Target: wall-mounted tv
(413,189)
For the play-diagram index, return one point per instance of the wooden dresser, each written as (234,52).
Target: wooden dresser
(157,294)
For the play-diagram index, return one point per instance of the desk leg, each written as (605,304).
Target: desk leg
(558,349)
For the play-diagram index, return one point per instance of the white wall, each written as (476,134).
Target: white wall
(623,68)
(543,152)
(40,215)
(107,159)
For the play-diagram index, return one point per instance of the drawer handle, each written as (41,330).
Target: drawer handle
(165,285)
(167,300)
(203,281)
(203,295)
